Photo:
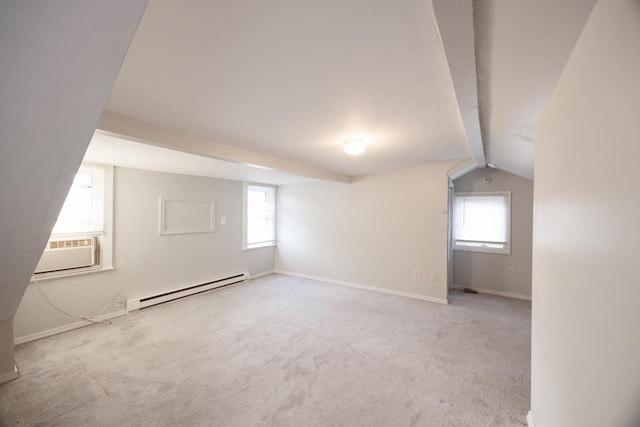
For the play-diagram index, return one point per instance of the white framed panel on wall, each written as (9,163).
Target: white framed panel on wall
(187,215)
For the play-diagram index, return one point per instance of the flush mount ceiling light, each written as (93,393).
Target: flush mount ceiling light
(354,146)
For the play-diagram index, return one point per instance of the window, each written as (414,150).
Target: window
(260,215)
(83,210)
(81,238)
(482,222)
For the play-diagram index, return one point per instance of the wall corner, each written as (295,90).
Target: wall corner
(8,370)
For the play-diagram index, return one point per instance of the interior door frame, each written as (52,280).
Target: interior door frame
(450,237)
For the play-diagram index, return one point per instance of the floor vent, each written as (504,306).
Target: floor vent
(149,301)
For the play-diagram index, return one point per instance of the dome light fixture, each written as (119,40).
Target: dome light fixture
(354,146)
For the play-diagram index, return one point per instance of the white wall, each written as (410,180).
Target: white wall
(586,287)
(147,263)
(373,232)
(488,272)
(59,62)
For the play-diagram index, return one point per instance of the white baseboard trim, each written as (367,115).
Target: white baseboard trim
(492,292)
(64,328)
(9,376)
(530,420)
(264,273)
(366,287)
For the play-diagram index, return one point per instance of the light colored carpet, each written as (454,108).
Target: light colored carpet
(283,351)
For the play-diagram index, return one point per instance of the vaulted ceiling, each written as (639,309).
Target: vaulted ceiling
(277,86)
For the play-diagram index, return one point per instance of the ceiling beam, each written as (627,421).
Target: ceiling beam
(136,130)
(454,20)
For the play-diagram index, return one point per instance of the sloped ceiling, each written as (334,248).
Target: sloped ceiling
(256,81)
(521,50)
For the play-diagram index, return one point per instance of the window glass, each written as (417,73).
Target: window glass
(482,221)
(82,210)
(260,214)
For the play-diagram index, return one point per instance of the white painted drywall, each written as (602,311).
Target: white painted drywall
(59,62)
(372,232)
(488,272)
(147,263)
(586,291)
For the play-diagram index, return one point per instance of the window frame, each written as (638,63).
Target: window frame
(245,217)
(104,234)
(480,245)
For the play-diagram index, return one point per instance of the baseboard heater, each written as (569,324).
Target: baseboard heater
(136,304)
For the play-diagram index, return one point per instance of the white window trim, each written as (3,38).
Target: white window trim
(506,250)
(245,245)
(105,236)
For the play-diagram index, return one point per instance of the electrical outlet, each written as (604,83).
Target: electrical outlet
(416,274)
(120,300)
(434,277)
(511,271)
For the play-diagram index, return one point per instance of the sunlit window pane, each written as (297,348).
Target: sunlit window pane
(260,216)
(82,208)
(482,220)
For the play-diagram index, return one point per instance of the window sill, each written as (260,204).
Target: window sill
(260,246)
(42,277)
(497,251)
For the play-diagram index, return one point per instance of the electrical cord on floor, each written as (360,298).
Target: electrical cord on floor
(93,319)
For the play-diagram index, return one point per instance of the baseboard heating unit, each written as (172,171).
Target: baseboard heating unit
(136,304)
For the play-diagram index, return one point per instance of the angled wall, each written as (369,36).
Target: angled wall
(586,292)
(59,62)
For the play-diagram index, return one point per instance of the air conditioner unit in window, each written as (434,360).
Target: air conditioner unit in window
(68,254)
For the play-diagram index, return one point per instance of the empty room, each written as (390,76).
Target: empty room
(358,213)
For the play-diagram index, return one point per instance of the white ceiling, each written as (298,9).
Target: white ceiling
(290,80)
